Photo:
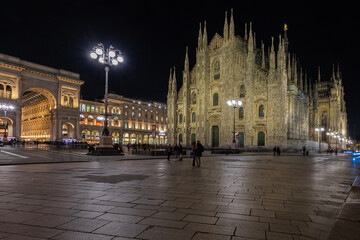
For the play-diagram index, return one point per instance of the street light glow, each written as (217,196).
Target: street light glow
(99,51)
(93,55)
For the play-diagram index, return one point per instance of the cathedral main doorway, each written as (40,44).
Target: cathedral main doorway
(215,136)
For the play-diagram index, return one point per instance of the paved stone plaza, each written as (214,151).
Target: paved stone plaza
(250,196)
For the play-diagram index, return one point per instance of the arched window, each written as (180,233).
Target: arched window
(261,139)
(242,91)
(261,111)
(8,92)
(193,98)
(193,117)
(217,70)
(1,90)
(241,112)
(71,102)
(180,118)
(66,101)
(215,99)
(180,138)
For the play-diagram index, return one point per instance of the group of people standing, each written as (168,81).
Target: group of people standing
(196,148)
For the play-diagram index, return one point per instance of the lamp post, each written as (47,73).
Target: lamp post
(108,57)
(5,108)
(319,129)
(234,103)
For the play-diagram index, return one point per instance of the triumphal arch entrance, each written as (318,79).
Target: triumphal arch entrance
(46,101)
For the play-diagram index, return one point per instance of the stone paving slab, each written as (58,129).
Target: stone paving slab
(228,197)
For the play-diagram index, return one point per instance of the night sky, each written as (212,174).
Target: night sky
(152,36)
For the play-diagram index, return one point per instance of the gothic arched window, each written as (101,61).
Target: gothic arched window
(215,99)
(193,98)
(241,112)
(66,101)
(261,111)
(193,117)
(217,70)
(71,102)
(180,118)
(8,91)
(242,91)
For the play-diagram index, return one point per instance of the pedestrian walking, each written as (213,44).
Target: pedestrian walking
(278,151)
(193,149)
(274,150)
(198,153)
(169,151)
(304,150)
(180,152)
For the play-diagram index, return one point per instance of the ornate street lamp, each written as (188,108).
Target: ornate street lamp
(319,129)
(6,107)
(234,103)
(108,57)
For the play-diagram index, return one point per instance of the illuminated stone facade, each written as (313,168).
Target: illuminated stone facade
(130,121)
(280,105)
(44,98)
(48,108)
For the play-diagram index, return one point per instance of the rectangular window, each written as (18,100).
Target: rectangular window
(146,127)
(88,108)
(92,109)
(126,125)
(83,108)
(97,109)
(139,126)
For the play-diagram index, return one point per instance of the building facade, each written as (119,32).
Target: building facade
(130,121)
(280,105)
(48,108)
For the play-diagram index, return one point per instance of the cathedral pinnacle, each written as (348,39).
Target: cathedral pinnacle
(262,55)
(246,35)
(226,28)
(174,84)
(319,77)
(251,40)
(186,63)
(200,39)
(232,27)
(205,40)
(170,82)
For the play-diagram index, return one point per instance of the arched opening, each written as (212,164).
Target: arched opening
(85,134)
(8,127)
(133,138)
(8,92)
(241,139)
(36,115)
(215,136)
(242,91)
(115,137)
(193,138)
(71,102)
(146,139)
(180,138)
(68,131)
(126,138)
(261,139)
(2,90)
(215,99)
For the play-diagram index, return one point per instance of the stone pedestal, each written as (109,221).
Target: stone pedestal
(105,148)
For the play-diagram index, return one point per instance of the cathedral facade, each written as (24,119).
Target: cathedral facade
(280,105)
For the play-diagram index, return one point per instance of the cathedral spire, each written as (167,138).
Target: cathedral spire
(205,40)
(262,55)
(279,54)
(226,28)
(338,72)
(333,73)
(286,41)
(170,82)
(186,63)
(250,42)
(319,77)
(174,84)
(254,42)
(310,89)
(232,27)
(200,39)
(272,54)
(289,68)
(246,34)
